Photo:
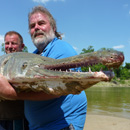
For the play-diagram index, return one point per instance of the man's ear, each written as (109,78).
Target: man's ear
(22,46)
(54,29)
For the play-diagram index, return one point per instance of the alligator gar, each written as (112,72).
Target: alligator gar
(27,71)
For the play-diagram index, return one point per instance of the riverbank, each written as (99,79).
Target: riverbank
(102,122)
(98,106)
(125,83)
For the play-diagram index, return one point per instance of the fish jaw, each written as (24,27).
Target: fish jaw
(62,85)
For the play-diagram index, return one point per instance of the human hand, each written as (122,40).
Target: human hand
(6,90)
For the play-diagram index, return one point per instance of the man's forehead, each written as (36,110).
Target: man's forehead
(38,16)
(11,38)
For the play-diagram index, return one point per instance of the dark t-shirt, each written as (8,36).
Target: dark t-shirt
(11,110)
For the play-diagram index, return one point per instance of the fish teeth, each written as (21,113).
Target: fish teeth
(90,69)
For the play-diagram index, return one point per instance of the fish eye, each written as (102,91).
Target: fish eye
(24,65)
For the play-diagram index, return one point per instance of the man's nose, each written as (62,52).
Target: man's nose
(37,27)
(10,45)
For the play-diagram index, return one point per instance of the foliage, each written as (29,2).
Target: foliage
(90,49)
(25,49)
(127,65)
(3,48)
(122,73)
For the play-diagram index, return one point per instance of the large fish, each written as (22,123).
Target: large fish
(26,71)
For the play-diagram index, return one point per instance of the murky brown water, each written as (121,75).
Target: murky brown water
(114,101)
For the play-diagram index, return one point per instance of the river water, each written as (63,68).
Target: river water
(112,101)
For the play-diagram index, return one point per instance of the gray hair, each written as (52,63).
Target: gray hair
(51,19)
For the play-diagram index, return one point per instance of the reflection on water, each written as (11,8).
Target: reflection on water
(114,101)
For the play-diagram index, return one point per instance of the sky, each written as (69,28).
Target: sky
(84,23)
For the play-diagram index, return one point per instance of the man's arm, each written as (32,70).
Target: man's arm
(8,92)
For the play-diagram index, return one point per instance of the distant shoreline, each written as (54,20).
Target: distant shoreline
(113,84)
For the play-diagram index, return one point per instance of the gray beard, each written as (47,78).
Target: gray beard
(42,42)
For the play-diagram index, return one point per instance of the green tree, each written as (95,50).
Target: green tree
(125,74)
(25,49)
(118,71)
(3,47)
(127,65)
(90,49)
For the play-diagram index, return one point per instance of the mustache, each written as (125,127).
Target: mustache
(39,32)
(10,50)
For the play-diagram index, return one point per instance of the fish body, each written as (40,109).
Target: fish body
(31,72)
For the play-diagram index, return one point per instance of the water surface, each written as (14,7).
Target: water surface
(113,101)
